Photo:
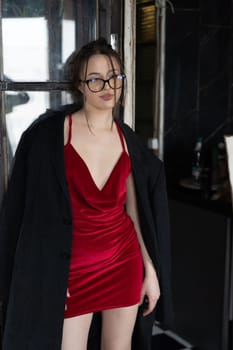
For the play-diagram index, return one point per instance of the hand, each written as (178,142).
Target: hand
(150,290)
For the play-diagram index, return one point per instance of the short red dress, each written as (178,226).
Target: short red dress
(106,268)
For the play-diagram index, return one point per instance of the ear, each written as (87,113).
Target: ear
(79,87)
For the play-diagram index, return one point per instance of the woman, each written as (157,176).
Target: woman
(76,245)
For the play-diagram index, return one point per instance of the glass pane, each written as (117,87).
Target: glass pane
(25,50)
(39,35)
(24,107)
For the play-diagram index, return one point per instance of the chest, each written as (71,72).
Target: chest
(99,152)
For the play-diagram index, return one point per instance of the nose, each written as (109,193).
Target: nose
(106,85)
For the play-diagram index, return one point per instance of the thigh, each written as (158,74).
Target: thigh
(117,328)
(75,332)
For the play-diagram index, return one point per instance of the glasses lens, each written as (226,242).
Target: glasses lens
(116,81)
(96,84)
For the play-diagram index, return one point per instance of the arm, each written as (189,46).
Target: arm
(10,222)
(150,288)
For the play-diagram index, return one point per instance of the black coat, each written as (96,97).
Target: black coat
(36,235)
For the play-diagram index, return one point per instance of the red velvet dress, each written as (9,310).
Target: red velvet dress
(106,269)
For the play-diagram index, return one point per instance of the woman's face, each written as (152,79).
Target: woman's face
(100,67)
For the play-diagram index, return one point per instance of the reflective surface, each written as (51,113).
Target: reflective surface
(36,39)
(38,36)
(25,50)
(23,108)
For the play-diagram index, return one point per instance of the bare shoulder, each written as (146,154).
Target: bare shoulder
(75,124)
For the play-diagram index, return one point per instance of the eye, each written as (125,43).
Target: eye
(94,80)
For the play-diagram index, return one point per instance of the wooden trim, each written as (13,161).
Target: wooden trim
(129,60)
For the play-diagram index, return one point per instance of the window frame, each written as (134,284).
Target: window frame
(107,19)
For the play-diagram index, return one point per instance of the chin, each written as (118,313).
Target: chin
(104,105)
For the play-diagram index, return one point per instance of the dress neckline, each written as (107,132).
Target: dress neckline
(110,176)
(69,144)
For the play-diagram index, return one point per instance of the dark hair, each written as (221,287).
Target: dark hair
(77,63)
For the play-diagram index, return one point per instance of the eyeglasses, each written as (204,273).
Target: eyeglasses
(97,84)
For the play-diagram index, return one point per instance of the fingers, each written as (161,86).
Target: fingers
(150,303)
(150,297)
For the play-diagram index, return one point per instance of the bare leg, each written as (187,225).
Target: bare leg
(117,328)
(75,332)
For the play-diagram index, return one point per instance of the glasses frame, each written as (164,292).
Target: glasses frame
(104,81)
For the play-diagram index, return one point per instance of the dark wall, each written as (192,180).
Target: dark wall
(199,275)
(199,65)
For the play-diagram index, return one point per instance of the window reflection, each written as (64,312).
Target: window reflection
(25,45)
(37,38)
(15,99)
(23,8)
(24,107)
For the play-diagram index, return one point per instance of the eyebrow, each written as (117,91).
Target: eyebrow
(97,73)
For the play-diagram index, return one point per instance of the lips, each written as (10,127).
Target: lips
(106,97)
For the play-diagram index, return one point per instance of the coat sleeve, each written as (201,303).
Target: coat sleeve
(10,221)
(160,209)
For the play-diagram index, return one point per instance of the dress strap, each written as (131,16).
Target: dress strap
(70,128)
(121,137)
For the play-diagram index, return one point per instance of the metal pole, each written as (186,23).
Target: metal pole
(157,141)
(97,22)
(3,134)
(1,55)
(153,142)
(162,78)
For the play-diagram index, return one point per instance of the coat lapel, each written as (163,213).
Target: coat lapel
(135,155)
(57,150)
(57,143)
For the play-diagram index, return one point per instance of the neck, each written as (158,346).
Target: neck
(98,119)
